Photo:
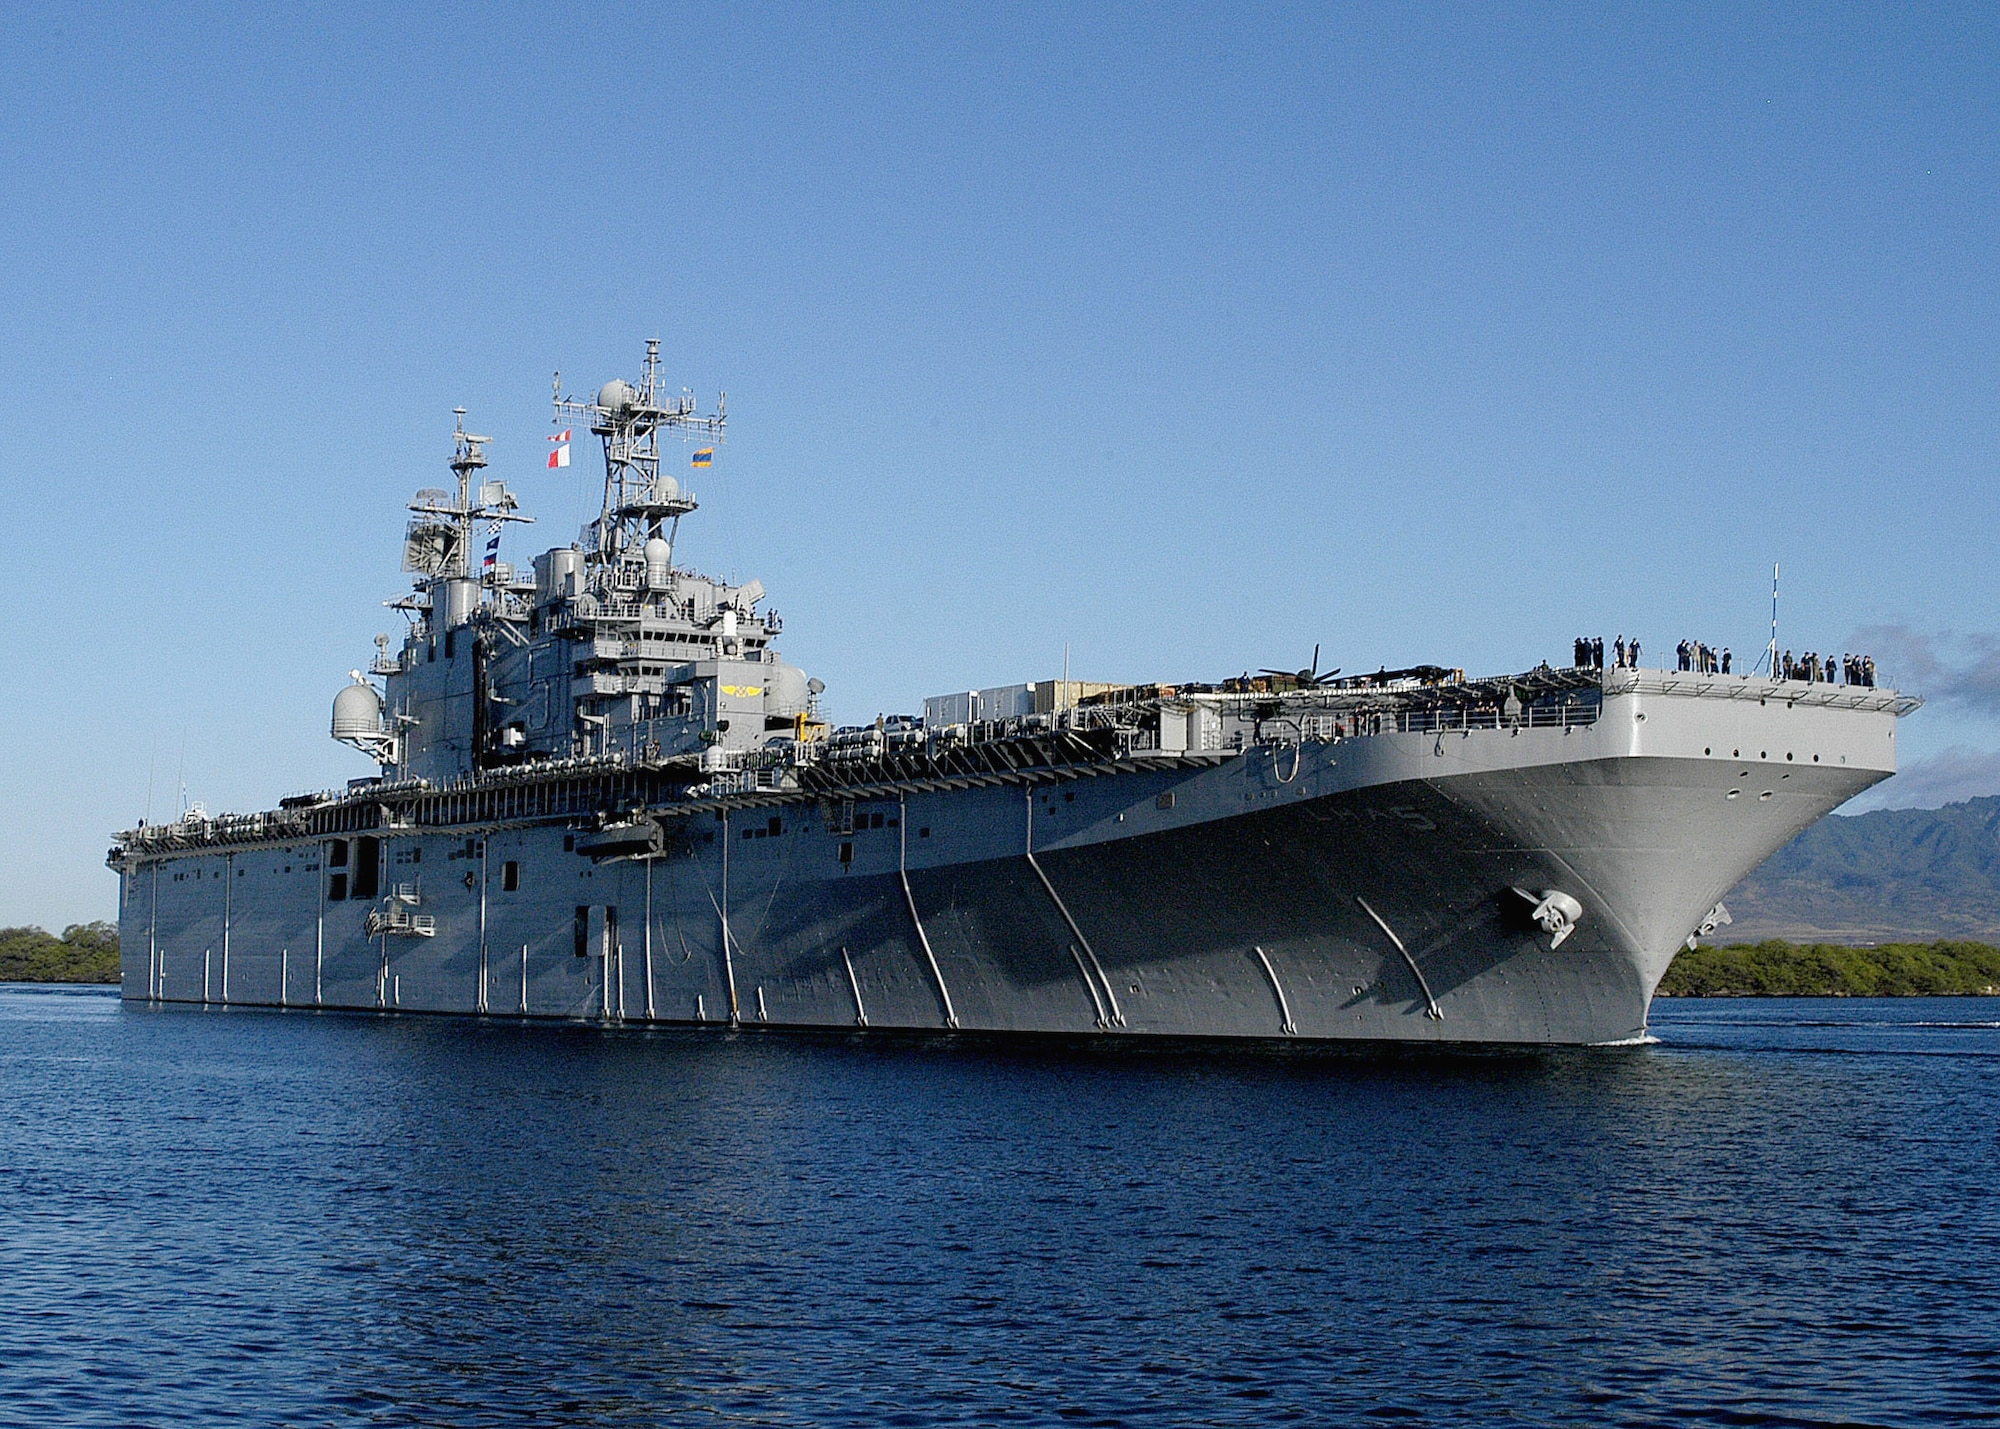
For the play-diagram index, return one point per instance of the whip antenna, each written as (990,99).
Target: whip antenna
(1771,654)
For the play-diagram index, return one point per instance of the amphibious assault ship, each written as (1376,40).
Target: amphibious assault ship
(601,793)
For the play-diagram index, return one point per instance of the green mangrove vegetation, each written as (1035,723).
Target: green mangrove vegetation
(1781,969)
(86,952)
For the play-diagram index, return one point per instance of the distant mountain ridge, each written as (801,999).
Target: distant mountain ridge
(1887,876)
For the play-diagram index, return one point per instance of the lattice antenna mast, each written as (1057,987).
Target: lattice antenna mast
(639,501)
(439,541)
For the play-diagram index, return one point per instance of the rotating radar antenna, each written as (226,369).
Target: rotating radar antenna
(439,539)
(641,502)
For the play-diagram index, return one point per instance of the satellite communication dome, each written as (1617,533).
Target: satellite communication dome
(616,395)
(659,563)
(357,711)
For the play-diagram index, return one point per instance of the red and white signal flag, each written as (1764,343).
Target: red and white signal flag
(560,456)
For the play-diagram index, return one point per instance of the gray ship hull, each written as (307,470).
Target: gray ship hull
(1375,888)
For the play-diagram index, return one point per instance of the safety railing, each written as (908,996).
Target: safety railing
(1563,714)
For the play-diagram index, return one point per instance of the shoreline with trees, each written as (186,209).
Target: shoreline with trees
(88,953)
(85,953)
(1776,968)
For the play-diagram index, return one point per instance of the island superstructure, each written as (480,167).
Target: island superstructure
(602,793)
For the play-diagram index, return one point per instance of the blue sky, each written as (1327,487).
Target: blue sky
(1185,336)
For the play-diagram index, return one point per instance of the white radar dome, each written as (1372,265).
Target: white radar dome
(357,711)
(616,395)
(659,564)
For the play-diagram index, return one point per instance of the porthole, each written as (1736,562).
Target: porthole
(1708,751)
(1732,793)
(1763,796)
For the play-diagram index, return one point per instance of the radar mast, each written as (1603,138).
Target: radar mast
(639,502)
(438,541)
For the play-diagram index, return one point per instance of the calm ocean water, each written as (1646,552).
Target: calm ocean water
(1786,1213)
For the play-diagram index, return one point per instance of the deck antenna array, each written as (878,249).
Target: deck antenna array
(639,503)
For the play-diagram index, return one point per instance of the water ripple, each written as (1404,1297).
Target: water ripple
(239,1217)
